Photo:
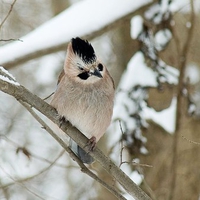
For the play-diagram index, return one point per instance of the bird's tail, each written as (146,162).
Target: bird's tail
(83,155)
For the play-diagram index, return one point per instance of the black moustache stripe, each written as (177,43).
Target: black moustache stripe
(84,75)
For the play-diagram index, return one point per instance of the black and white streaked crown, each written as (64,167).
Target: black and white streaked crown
(83,49)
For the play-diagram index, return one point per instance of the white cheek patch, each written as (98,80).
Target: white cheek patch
(78,62)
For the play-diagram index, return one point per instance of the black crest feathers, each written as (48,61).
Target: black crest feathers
(83,49)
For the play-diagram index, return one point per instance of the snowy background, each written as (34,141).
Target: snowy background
(32,164)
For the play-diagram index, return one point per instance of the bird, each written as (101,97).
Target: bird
(84,95)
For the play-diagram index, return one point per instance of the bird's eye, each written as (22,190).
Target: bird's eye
(100,67)
(80,67)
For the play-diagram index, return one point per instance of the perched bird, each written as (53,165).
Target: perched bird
(85,94)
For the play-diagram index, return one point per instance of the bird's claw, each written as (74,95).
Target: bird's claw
(61,120)
(91,143)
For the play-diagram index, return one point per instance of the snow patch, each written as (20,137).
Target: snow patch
(6,72)
(138,73)
(4,78)
(165,118)
(136,177)
(193,73)
(136,26)
(162,37)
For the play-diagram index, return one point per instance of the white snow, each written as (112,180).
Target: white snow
(184,6)
(193,73)
(165,118)
(124,107)
(171,74)
(143,150)
(9,80)
(164,6)
(4,78)
(180,5)
(136,177)
(188,24)
(162,37)
(154,13)
(136,26)
(192,108)
(138,73)
(6,72)
(80,19)
(48,65)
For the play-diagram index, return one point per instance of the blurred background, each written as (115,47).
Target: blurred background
(153,56)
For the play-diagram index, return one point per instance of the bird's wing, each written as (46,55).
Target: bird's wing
(62,73)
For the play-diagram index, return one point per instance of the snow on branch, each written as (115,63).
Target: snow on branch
(84,19)
(7,77)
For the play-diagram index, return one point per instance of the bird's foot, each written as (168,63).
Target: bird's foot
(61,120)
(91,143)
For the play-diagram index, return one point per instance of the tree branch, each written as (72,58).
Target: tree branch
(14,89)
(62,46)
(180,110)
(84,169)
(11,39)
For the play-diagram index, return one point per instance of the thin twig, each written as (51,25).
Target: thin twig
(6,17)
(48,96)
(20,181)
(11,39)
(31,154)
(191,141)
(136,164)
(122,146)
(121,152)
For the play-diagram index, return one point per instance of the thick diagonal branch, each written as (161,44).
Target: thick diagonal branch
(22,94)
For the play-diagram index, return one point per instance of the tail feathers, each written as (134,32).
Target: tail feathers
(84,156)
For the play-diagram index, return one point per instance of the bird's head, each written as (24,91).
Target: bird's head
(81,62)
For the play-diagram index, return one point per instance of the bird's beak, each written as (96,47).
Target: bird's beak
(96,73)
